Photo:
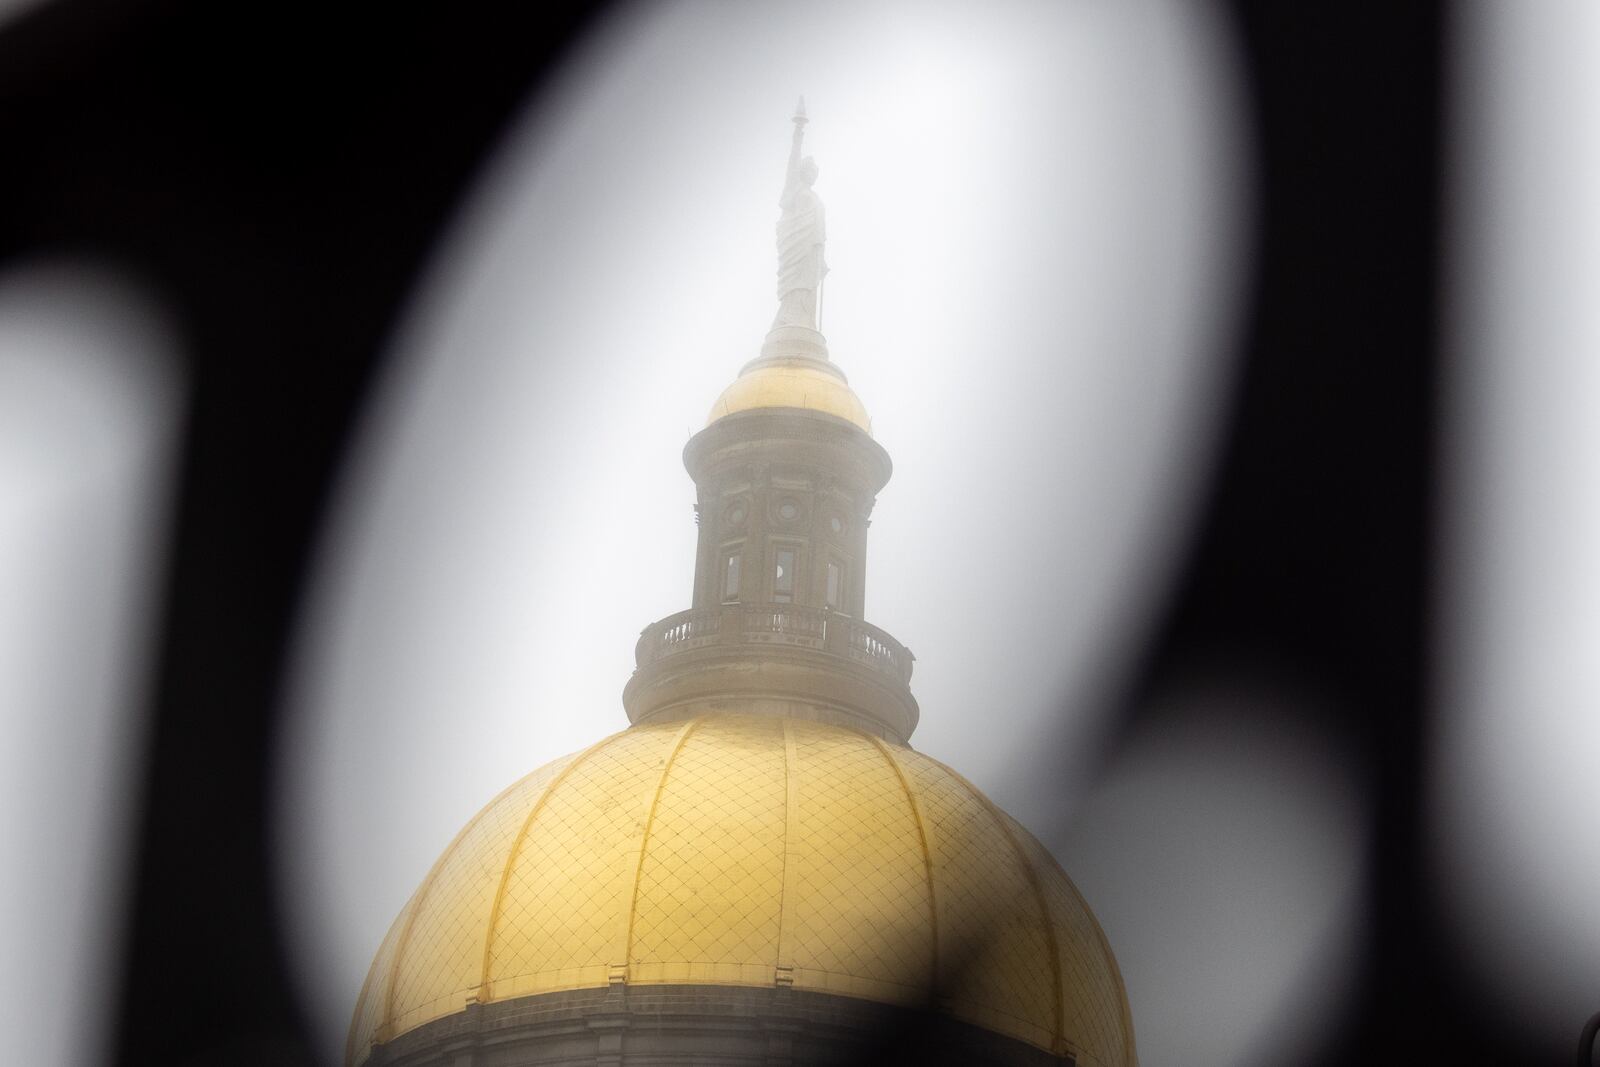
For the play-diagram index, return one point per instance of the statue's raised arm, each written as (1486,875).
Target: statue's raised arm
(801,235)
(792,181)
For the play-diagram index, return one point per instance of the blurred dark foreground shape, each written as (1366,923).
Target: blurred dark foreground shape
(275,175)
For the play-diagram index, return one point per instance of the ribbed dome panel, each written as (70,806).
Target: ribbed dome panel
(754,851)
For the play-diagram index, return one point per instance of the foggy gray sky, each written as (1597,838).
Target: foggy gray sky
(1033,232)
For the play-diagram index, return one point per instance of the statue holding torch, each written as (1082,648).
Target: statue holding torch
(801,234)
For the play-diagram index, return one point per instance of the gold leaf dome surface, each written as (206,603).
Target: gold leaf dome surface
(791,384)
(751,850)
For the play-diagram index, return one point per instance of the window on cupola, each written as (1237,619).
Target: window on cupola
(835,588)
(730,578)
(783,576)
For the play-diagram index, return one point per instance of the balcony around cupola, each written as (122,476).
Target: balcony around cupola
(724,880)
(786,473)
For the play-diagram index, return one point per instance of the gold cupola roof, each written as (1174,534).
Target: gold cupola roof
(802,383)
(744,850)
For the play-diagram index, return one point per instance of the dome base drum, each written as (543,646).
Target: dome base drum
(687,1024)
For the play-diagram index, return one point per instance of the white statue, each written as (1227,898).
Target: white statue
(801,233)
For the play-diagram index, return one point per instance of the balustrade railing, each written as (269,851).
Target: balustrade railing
(677,633)
(789,625)
(795,626)
(872,645)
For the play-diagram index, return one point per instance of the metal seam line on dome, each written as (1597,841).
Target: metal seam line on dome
(366,985)
(644,843)
(1105,951)
(380,1032)
(387,975)
(927,850)
(783,972)
(1059,1043)
(511,857)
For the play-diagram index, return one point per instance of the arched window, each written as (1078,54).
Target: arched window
(783,576)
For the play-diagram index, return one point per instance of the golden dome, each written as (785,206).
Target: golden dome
(792,384)
(753,850)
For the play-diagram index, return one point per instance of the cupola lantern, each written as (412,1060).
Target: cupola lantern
(786,473)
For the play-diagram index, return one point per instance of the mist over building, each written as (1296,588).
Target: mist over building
(760,869)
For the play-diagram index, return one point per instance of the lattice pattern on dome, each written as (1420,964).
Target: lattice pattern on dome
(1096,1012)
(862,910)
(563,915)
(439,962)
(705,888)
(708,900)
(995,967)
